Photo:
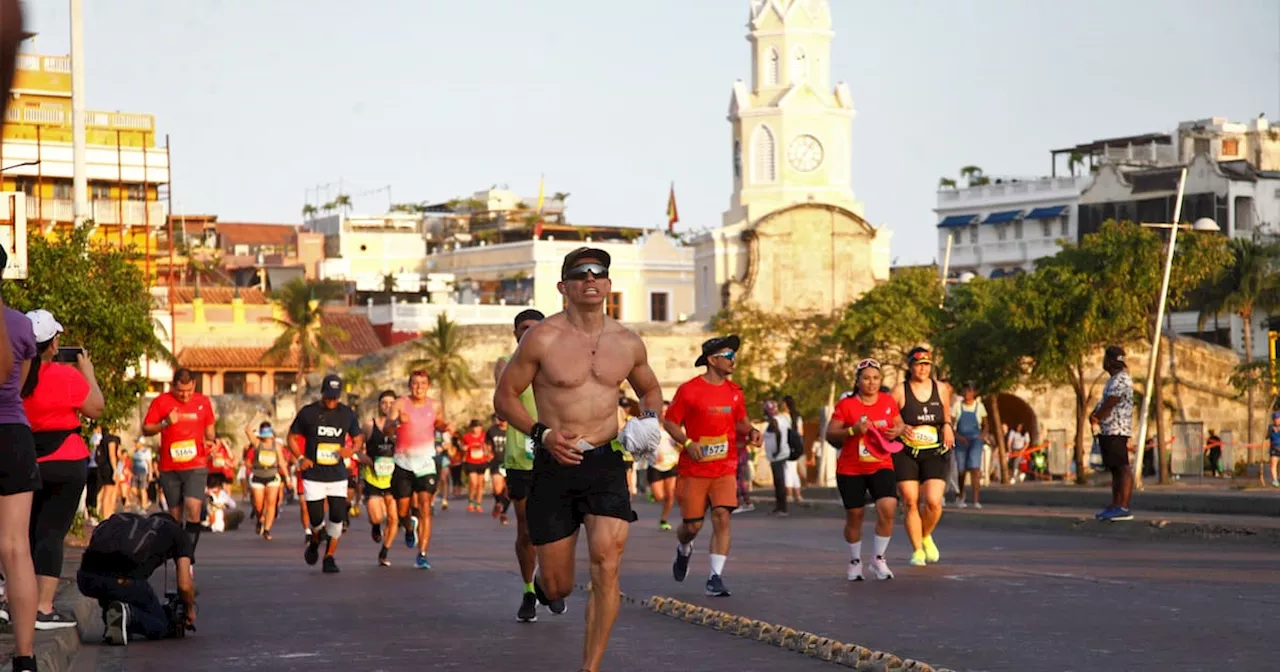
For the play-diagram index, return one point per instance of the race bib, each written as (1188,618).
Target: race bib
(267,459)
(923,435)
(383,466)
(219,462)
(528,447)
(328,454)
(183,451)
(713,448)
(477,454)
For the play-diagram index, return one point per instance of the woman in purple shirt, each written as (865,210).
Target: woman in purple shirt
(19,478)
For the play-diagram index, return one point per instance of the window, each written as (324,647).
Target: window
(799,66)
(614,305)
(1230,147)
(658,306)
(773,69)
(1017,230)
(1046,228)
(235,382)
(99,191)
(135,192)
(764,167)
(25,185)
(283,381)
(1201,146)
(1001,232)
(62,191)
(1066,226)
(737,159)
(973,234)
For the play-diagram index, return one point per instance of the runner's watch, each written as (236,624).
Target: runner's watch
(538,431)
(648,414)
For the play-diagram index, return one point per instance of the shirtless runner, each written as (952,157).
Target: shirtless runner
(576,360)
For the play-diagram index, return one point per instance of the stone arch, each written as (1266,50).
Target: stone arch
(1014,410)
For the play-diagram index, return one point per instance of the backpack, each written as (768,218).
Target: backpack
(796,444)
(127,535)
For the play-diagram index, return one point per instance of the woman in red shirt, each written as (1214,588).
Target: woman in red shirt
(54,397)
(861,470)
(476,457)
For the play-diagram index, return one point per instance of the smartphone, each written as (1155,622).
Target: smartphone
(68,355)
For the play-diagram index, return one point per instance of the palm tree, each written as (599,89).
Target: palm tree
(389,284)
(946,183)
(360,382)
(302,330)
(342,202)
(308,211)
(561,196)
(1074,161)
(440,352)
(974,177)
(1249,285)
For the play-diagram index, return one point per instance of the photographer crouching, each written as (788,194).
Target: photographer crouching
(125,550)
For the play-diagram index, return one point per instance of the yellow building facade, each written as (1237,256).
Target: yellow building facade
(125,165)
(794,235)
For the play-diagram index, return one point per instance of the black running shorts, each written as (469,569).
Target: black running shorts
(519,481)
(854,489)
(18,470)
(1115,451)
(404,483)
(563,496)
(656,475)
(927,465)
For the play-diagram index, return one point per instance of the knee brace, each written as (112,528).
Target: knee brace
(337,516)
(315,513)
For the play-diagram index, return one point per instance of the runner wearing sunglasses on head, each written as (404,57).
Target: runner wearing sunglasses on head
(925,405)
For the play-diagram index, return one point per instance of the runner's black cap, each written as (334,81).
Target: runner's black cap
(714,345)
(526,315)
(572,259)
(331,387)
(1115,353)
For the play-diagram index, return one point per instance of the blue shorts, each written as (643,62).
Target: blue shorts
(968,455)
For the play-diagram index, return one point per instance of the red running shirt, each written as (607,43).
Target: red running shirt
(709,415)
(182,443)
(854,459)
(474,447)
(53,406)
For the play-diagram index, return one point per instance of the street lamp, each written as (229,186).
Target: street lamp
(1204,224)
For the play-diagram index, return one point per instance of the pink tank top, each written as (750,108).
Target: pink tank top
(416,440)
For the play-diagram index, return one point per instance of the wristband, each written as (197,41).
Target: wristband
(648,414)
(851,432)
(164,424)
(688,442)
(537,433)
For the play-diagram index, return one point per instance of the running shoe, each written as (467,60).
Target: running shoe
(880,569)
(444,504)
(411,532)
(931,553)
(312,554)
(266,534)
(54,620)
(330,565)
(977,505)
(1118,513)
(258,528)
(961,504)
(917,559)
(558,607)
(854,572)
(375,532)
(382,558)
(117,620)
(715,587)
(1104,514)
(421,562)
(680,568)
(503,518)
(664,525)
(4,610)
(528,612)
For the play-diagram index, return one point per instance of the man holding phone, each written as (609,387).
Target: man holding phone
(185,422)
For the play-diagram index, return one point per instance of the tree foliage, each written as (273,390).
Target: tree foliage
(302,329)
(441,352)
(99,295)
(893,317)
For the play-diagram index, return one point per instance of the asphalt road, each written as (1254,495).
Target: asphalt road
(999,600)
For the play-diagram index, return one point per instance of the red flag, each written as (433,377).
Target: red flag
(537,228)
(673,215)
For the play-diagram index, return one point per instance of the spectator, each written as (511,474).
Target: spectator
(19,473)
(55,395)
(1213,446)
(143,473)
(1017,440)
(969,415)
(795,485)
(108,494)
(777,452)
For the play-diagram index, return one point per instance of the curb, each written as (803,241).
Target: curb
(1153,528)
(56,650)
(805,643)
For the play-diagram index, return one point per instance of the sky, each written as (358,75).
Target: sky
(613,101)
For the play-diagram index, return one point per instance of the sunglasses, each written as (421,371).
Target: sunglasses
(600,271)
(868,363)
(727,354)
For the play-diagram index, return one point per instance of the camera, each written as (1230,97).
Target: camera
(176,610)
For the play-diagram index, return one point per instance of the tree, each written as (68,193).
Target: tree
(441,352)
(560,196)
(389,284)
(409,208)
(974,177)
(1074,161)
(1121,267)
(99,295)
(783,353)
(893,317)
(303,334)
(308,211)
(342,202)
(359,380)
(1248,284)
(946,183)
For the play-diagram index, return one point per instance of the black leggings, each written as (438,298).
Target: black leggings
(53,509)
(779,470)
(337,514)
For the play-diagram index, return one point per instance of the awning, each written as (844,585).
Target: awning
(1002,217)
(957,221)
(1047,213)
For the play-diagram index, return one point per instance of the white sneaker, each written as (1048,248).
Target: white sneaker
(977,505)
(854,572)
(960,503)
(880,569)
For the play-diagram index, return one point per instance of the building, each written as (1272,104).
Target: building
(652,279)
(250,254)
(364,249)
(794,235)
(126,168)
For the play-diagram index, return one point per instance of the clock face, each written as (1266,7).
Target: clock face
(805,153)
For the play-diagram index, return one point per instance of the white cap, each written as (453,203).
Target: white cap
(43,324)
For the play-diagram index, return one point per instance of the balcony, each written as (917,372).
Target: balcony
(1014,190)
(102,211)
(420,317)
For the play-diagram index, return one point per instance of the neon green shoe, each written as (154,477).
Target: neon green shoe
(917,559)
(931,553)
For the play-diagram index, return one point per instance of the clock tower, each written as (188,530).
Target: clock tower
(794,235)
